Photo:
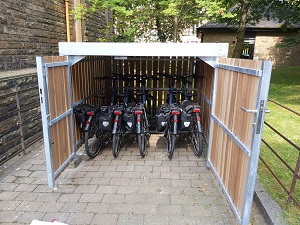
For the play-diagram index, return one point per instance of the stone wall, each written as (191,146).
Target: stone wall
(16,120)
(29,28)
(265,45)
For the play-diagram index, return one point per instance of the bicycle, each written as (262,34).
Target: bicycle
(94,139)
(120,124)
(96,129)
(171,123)
(184,117)
(195,132)
(142,124)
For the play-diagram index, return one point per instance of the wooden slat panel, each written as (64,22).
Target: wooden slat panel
(61,139)
(165,81)
(161,82)
(234,90)
(58,89)
(155,82)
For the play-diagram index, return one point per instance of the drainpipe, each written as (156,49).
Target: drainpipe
(67,20)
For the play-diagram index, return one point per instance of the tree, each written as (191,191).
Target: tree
(288,13)
(251,12)
(165,19)
(242,12)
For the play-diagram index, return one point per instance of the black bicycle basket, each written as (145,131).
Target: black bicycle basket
(162,118)
(80,113)
(185,121)
(129,119)
(105,119)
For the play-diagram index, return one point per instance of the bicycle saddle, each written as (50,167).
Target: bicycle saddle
(176,91)
(105,109)
(191,95)
(123,95)
(100,96)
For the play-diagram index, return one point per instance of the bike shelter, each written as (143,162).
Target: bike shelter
(232,94)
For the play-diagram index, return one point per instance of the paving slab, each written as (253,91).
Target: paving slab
(128,189)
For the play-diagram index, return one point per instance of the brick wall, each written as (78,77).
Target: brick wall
(10,129)
(29,28)
(221,36)
(265,43)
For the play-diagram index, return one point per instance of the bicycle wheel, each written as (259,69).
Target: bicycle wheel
(171,139)
(196,137)
(92,143)
(116,139)
(142,144)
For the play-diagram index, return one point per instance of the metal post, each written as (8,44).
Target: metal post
(42,80)
(295,177)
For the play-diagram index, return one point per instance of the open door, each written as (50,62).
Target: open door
(237,116)
(57,117)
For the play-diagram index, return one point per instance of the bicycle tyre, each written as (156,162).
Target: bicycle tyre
(171,139)
(197,140)
(92,144)
(142,144)
(116,143)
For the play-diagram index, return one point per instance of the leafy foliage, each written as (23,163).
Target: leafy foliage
(152,20)
(165,20)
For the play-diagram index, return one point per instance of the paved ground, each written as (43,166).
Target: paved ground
(123,190)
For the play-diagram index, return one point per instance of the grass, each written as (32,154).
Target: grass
(285,89)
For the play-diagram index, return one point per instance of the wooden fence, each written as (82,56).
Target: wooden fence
(85,86)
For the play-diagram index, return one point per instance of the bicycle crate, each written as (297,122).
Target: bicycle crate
(105,119)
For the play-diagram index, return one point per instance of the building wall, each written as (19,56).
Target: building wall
(14,120)
(265,46)
(220,36)
(29,28)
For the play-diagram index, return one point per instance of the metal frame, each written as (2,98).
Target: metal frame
(253,153)
(240,69)
(42,80)
(206,50)
(42,72)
